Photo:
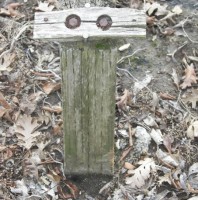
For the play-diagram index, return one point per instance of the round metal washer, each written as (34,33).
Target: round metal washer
(72,21)
(104,22)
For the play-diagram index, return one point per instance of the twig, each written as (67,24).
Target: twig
(176,50)
(193,41)
(42,74)
(125,57)
(124,70)
(15,39)
(48,70)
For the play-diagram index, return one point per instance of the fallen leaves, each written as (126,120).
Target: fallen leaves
(190,75)
(4,105)
(25,128)
(3,102)
(11,10)
(192,131)
(6,61)
(124,100)
(191,98)
(44,6)
(167,159)
(141,174)
(50,87)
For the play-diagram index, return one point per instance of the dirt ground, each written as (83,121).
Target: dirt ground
(156,134)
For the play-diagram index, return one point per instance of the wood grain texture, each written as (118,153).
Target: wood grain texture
(126,23)
(88,90)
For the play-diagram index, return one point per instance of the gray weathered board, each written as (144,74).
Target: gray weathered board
(126,23)
(88,81)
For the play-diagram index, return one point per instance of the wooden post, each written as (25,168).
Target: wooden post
(88,79)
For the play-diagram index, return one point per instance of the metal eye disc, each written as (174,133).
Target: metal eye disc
(72,21)
(104,22)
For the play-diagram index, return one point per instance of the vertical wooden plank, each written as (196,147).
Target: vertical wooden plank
(109,60)
(68,102)
(80,158)
(88,109)
(93,167)
(85,108)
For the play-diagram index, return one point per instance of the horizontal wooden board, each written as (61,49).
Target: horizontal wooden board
(126,23)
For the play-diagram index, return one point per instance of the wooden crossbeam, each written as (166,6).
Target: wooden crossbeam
(126,23)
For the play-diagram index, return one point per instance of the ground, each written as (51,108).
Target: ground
(156,109)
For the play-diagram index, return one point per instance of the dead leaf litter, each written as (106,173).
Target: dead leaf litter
(156,122)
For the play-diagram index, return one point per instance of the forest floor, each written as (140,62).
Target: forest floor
(156,122)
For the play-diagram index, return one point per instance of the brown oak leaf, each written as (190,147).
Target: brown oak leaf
(124,100)
(25,130)
(12,9)
(190,76)
(191,98)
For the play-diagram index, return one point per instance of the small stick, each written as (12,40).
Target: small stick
(42,74)
(125,57)
(48,70)
(175,51)
(193,41)
(15,39)
(124,70)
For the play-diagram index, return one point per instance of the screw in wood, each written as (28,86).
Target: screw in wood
(72,21)
(45,19)
(104,22)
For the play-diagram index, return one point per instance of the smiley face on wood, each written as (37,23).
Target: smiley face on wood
(96,22)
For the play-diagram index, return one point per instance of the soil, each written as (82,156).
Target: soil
(152,61)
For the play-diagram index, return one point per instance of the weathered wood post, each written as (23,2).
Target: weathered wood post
(88,79)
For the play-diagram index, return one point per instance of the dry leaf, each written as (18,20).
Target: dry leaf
(57,129)
(156,135)
(44,6)
(167,96)
(193,169)
(194,198)
(53,109)
(155,9)
(192,131)
(29,103)
(141,174)
(167,159)
(50,87)
(12,9)
(73,190)
(124,100)
(30,169)
(150,20)
(125,153)
(149,121)
(25,130)
(175,78)
(155,101)
(2,111)
(143,139)
(165,178)
(4,11)
(6,61)
(190,75)
(191,98)
(167,141)
(128,165)
(139,85)
(168,31)
(177,9)
(3,102)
